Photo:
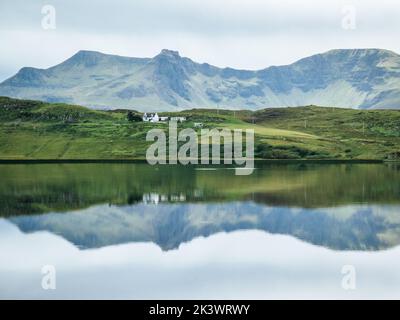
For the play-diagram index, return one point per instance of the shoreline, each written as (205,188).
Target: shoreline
(140,160)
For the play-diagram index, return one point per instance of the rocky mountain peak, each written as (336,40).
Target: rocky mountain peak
(353,78)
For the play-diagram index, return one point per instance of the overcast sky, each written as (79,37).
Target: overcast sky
(246,34)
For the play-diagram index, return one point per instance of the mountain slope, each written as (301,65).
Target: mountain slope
(32,130)
(359,78)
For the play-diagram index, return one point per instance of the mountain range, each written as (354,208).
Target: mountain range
(352,78)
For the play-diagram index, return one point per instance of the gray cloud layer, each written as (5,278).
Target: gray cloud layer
(244,34)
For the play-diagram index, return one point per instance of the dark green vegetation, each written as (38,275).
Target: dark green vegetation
(341,206)
(40,188)
(37,130)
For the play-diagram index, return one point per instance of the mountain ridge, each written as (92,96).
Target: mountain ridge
(356,78)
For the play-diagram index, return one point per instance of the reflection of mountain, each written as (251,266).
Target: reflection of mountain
(168,225)
(170,205)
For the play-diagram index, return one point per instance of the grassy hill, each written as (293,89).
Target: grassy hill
(38,130)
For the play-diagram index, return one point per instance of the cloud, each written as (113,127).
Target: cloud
(249,34)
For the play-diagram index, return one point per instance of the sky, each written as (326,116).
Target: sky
(245,264)
(244,34)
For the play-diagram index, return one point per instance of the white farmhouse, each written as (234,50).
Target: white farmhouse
(156,118)
(151,117)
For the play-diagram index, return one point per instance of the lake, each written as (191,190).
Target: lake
(135,231)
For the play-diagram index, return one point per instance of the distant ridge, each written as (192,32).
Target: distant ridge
(355,78)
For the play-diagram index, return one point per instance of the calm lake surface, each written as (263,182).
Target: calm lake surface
(179,232)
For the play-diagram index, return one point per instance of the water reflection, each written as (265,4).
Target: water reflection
(341,206)
(155,198)
(236,265)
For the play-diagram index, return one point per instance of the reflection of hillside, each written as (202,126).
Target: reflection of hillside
(40,188)
(168,225)
(26,189)
(311,185)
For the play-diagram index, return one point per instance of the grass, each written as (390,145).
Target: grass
(38,130)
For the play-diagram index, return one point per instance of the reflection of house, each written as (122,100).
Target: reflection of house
(155,198)
(177,198)
(151,117)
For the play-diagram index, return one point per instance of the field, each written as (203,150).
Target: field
(38,130)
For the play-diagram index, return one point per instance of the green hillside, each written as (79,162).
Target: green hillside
(38,130)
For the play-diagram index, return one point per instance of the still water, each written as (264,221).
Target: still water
(174,232)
